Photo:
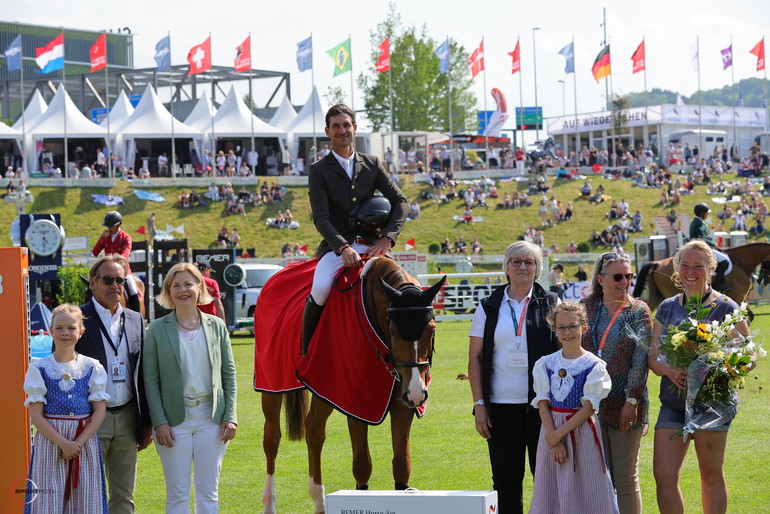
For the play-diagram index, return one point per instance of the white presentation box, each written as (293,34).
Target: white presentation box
(411,502)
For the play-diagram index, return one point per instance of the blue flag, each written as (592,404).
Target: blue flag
(163,54)
(13,55)
(569,53)
(305,54)
(442,53)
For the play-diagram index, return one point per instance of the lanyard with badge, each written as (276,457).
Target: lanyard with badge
(518,359)
(118,368)
(606,330)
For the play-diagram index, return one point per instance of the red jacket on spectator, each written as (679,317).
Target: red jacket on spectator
(121,245)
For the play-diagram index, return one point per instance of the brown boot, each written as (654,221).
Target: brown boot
(310,318)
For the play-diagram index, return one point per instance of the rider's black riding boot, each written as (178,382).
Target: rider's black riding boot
(309,321)
(719,280)
(133,302)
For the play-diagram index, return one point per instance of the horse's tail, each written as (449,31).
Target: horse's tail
(296,409)
(641,278)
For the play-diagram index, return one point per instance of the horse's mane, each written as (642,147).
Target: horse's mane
(389,270)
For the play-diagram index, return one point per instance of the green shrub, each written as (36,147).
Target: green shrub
(72,289)
(583,247)
(434,248)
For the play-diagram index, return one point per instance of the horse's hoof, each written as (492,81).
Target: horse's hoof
(363,487)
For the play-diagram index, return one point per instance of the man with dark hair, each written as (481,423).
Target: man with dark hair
(115,336)
(338,182)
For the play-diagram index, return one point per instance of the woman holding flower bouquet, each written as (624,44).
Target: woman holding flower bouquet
(616,322)
(684,331)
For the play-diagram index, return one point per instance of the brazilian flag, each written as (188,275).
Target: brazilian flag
(341,56)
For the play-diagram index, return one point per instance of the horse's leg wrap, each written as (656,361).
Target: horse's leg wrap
(268,496)
(316,492)
(400,486)
(719,280)
(133,302)
(310,318)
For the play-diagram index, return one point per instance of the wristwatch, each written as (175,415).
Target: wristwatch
(632,401)
(479,402)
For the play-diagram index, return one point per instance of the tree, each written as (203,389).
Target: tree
(419,89)
(334,95)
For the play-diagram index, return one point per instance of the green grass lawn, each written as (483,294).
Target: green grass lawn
(447,453)
(82,217)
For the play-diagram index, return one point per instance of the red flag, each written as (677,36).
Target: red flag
(383,63)
(409,244)
(638,58)
(199,57)
(759,51)
(303,248)
(99,53)
(516,64)
(140,230)
(477,60)
(243,57)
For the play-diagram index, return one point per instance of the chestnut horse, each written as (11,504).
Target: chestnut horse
(745,260)
(402,313)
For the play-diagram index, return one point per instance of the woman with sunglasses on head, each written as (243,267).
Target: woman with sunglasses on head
(623,414)
(509,333)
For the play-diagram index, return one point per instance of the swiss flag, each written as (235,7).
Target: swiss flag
(99,53)
(759,51)
(383,63)
(516,64)
(477,60)
(199,57)
(243,57)
(409,244)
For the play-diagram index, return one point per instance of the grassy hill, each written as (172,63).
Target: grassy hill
(81,216)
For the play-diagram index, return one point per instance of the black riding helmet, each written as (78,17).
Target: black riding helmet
(112,218)
(367,218)
(701,209)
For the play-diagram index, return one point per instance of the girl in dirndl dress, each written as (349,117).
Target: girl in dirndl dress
(66,397)
(571,474)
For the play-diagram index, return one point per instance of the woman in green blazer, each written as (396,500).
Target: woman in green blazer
(189,377)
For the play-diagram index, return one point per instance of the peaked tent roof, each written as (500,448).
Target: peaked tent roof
(51,123)
(284,115)
(234,119)
(120,112)
(302,125)
(151,120)
(32,113)
(202,113)
(7,132)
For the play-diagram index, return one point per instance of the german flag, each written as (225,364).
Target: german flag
(601,67)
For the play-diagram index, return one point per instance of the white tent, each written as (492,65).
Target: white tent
(284,115)
(35,108)
(120,112)
(202,113)
(303,126)
(7,132)
(151,120)
(234,120)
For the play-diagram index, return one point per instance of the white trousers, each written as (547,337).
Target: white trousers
(198,445)
(131,285)
(723,257)
(328,267)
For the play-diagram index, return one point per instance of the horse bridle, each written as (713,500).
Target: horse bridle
(391,359)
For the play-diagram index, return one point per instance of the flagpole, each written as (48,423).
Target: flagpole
(764,84)
(251,105)
(735,104)
(449,104)
(606,84)
(521,96)
(534,67)
(213,129)
(390,105)
(700,96)
(646,99)
(352,101)
(24,165)
(312,101)
(171,106)
(64,102)
(107,94)
(486,113)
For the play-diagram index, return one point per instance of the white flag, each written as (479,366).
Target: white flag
(679,101)
(695,52)
(179,229)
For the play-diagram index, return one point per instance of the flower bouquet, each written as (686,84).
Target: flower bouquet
(717,360)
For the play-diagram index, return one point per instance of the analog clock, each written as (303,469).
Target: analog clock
(43,237)
(234,275)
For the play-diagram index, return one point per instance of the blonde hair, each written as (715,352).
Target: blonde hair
(164,298)
(567,307)
(72,310)
(695,244)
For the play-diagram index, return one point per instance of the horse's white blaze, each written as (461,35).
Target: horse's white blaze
(368,265)
(268,495)
(316,492)
(416,386)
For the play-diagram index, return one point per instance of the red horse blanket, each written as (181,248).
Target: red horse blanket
(345,364)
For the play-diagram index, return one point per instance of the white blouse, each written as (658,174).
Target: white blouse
(34,384)
(596,388)
(196,365)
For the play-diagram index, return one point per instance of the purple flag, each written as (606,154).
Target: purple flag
(727,57)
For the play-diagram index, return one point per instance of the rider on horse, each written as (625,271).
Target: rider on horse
(116,241)
(339,182)
(699,230)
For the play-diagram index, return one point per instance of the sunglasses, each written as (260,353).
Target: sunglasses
(108,281)
(617,277)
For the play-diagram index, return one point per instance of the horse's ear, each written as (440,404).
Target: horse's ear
(392,293)
(433,290)
(84,279)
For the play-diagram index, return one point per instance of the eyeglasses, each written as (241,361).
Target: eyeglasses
(568,328)
(617,277)
(108,281)
(517,264)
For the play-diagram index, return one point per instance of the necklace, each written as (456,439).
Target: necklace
(194,327)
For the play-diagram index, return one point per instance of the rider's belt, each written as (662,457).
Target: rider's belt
(192,401)
(363,241)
